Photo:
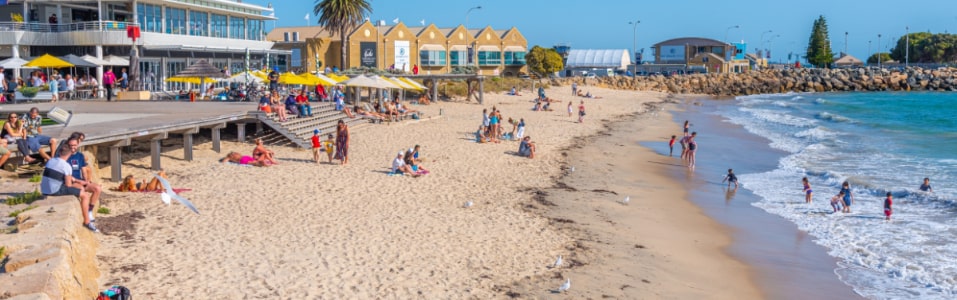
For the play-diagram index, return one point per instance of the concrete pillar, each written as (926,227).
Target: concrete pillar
(435,90)
(259,127)
(59,14)
(188,146)
(155,151)
(481,94)
(99,69)
(241,132)
(116,162)
(216,138)
(468,90)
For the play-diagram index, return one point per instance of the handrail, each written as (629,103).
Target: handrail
(78,26)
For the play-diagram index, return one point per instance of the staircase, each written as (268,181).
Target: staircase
(298,130)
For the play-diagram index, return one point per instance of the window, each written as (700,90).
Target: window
(218,26)
(198,23)
(458,58)
(150,17)
(432,58)
(489,58)
(285,36)
(237,28)
(254,30)
(296,60)
(513,58)
(175,20)
(295,36)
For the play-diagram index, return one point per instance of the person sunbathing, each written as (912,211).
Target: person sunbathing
(261,153)
(130,185)
(348,112)
(589,95)
(514,92)
(369,114)
(236,158)
(424,100)
(404,108)
(527,148)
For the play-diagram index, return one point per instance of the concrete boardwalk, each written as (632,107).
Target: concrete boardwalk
(116,124)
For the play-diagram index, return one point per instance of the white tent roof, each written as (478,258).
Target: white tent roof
(598,58)
(14,63)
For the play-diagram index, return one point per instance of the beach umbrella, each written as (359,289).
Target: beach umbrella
(94,60)
(203,70)
(402,85)
(412,83)
(193,80)
(48,61)
(291,78)
(361,81)
(383,83)
(244,77)
(113,60)
(316,80)
(337,77)
(14,63)
(77,61)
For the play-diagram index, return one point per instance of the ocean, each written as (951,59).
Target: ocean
(879,142)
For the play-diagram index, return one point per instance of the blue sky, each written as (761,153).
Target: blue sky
(604,23)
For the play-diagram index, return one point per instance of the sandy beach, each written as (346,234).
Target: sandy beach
(302,231)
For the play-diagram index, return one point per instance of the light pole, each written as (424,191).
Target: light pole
(845,43)
(906,47)
(868,51)
(634,45)
(728,29)
(768,49)
(762,37)
(468,47)
(878,51)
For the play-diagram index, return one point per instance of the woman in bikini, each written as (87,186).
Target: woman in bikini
(807,191)
(692,146)
(261,153)
(277,105)
(236,158)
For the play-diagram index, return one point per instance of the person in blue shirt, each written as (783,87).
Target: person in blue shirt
(291,104)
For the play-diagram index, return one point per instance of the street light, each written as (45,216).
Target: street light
(762,37)
(845,43)
(878,51)
(906,46)
(729,28)
(467,34)
(634,45)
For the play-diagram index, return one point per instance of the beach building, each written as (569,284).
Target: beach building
(433,49)
(601,62)
(698,55)
(847,61)
(173,33)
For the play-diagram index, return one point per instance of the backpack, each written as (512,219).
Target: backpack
(116,292)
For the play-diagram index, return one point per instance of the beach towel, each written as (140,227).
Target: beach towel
(175,190)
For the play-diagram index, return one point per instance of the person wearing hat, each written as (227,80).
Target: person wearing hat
(400,167)
(291,104)
(274,79)
(316,145)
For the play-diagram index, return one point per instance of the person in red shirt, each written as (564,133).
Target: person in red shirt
(305,110)
(671,146)
(320,92)
(316,145)
(888,202)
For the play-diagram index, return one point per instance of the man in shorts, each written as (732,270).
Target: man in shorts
(58,181)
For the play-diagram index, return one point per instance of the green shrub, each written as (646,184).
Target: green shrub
(36,178)
(16,213)
(3,252)
(29,92)
(103,210)
(24,198)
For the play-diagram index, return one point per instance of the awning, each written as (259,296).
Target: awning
(94,60)
(458,48)
(489,48)
(432,47)
(515,49)
(213,49)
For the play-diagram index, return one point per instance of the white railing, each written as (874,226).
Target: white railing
(79,26)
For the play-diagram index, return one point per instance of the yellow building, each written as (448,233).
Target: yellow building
(434,50)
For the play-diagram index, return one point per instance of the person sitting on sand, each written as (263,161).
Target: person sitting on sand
(261,153)
(527,148)
(580,94)
(236,158)
(514,92)
(411,162)
(399,166)
(415,154)
(480,136)
(537,107)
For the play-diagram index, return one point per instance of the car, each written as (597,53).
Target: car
(591,75)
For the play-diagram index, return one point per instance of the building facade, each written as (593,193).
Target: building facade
(432,49)
(174,33)
(700,55)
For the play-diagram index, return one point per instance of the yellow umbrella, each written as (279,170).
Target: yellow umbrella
(291,78)
(193,80)
(411,82)
(48,61)
(262,75)
(397,83)
(316,80)
(338,78)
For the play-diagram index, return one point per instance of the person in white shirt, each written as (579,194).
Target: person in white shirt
(399,166)
(70,86)
(58,180)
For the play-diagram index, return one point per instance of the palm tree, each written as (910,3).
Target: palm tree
(341,16)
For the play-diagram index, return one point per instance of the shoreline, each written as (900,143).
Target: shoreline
(642,249)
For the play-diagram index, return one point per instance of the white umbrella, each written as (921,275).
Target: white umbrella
(243,78)
(14,63)
(94,60)
(361,81)
(77,61)
(384,84)
(116,61)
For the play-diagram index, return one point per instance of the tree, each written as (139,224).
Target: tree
(543,61)
(885,57)
(341,16)
(915,38)
(819,45)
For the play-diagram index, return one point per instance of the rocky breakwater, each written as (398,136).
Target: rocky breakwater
(49,254)
(782,81)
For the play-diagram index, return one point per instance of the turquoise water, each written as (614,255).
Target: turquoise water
(879,142)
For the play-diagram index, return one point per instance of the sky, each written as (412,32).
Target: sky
(604,24)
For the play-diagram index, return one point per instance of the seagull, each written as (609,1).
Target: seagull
(170,194)
(558,262)
(567,285)
(626,200)
(468,204)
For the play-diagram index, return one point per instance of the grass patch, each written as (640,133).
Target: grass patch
(16,213)
(103,210)
(24,198)
(3,252)
(36,178)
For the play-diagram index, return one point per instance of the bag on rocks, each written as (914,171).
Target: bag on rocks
(116,292)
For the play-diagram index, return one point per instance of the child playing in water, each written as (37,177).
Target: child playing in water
(887,206)
(671,146)
(807,191)
(730,178)
(836,201)
(926,186)
(848,198)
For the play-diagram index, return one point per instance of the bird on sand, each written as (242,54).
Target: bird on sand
(169,194)
(567,285)
(558,262)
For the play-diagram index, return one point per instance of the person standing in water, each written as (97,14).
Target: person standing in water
(671,146)
(836,201)
(807,191)
(926,186)
(686,127)
(692,146)
(848,198)
(888,202)
(731,178)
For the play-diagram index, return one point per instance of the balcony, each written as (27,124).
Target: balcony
(108,33)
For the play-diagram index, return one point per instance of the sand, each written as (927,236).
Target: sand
(300,230)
